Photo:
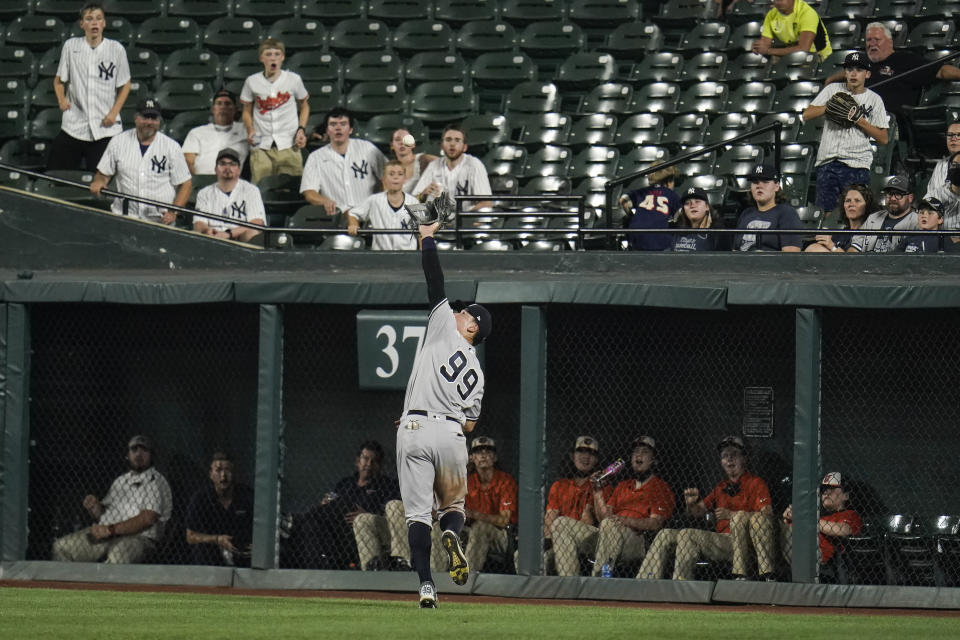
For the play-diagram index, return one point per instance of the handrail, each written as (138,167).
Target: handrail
(459,200)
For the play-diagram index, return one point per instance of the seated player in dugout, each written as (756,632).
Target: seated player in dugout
(837,520)
(490,504)
(219,523)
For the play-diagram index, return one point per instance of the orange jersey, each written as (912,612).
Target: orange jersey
(753,495)
(653,498)
(570,499)
(851,517)
(500,495)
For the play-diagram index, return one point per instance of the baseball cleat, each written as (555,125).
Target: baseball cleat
(459,569)
(428,596)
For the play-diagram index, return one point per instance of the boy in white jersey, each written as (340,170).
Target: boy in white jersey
(386,210)
(92,84)
(441,405)
(230,197)
(457,172)
(275,113)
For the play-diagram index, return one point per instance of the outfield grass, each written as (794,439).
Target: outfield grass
(26,614)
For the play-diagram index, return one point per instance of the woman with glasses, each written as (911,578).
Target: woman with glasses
(939,176)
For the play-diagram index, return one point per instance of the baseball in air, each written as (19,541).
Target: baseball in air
(409,141)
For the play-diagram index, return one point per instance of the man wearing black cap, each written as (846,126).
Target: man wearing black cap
(768,214)
(230,197)
(898,215)
(845,155)
(147,164)
(204,142)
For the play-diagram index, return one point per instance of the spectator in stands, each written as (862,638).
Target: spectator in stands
(770,212)
(275,112)
(929,218)
(641,503)
(899,215)
(344,172)
(696,213)
(744,518)
(457,172)
(413,163)
(793,25)
(129,520)
(836,521)
(147,164)
(569,523)
(845,155)
(886,63)
(856,204)
(219,519)
(490,504)
(231,197)
(939,176)
(203,143)
(92,85)
(651,207)
(386,210)
(948,194)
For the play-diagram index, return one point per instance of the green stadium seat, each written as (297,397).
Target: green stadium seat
(396,11)
(414,36)
(931,34)
(548,160)
(37,33)
(899,31)
(265,10)
(850,9)
(117,28)
(371,98)
(532,97)
(797,158)
(312,217)
(790,130)
(324,95)
(709,35)
(524,12)
(743,36)
(898,9)
(330,12)
(736,163)
(165,34)
(180,125)
(686,130)
(442,102)
(45,124)
(13,179)
(702,67)
(431,67)
(639,158)
(754,97)
(175,96)
(66,10)
(310,66)
(811,131)
(343,242)
(633,40)
(379,129)
(585,69)
(43,96)
(192,64)
(13,123)
(594,192)
(547,186)
(299,34)
(504,185)
(656,97)
(145,65)
(597,161)
(715,186)
(747,12)
(663,66)
(201,11)
(281,196)
(502,69)
(833,63)
(25,153)
(351,36)
(134,10)
(14,92)
(603,13)
(483,36)
(229,34)
(49,62)
(844,34)
(705,96)
(639,129)
(610,97)
(485,130)
(505,160)
(459,12)
(728,125)
(241,64)
(596,129)
(797,96)
(793,67)
(373,66)
(796,187)
(66,192)
(535,129)
(548,43)
(748,67)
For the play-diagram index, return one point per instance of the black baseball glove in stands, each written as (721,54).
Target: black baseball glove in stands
(843,110)
(440,209)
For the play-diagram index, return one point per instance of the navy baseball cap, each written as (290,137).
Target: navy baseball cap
(856,60)
(763,172)
(931,204)
(694,193)
(149,107)
(484,321)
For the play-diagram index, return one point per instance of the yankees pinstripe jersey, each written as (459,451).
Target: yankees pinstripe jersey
(154,174)
(346,179)
(275,113)
(951,204)
(938,177)
(243,203)
(468,178)
(92,76)
(378,213)
(882,220)
(851,146)
(207,140)
(412,182)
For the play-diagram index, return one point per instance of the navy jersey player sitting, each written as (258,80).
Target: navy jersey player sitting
(652,208)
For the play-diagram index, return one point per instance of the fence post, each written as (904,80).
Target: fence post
(269,432)
(533,429)
(14,430)
(806,445)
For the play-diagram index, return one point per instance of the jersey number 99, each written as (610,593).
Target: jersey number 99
(470,378)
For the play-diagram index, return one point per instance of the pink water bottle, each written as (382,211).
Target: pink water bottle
(612,469)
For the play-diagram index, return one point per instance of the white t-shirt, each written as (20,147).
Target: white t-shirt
(132,493)
(92,76)
(154,174)
(207,140)
(377,212)
(346,179)
(243,203)
(276,117)
(851,145)
(468,178)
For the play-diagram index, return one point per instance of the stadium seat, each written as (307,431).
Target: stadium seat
(430,67)
(685,130)
(748,67)
(850,9)
(330,12)
(743,36)
(790,123)
(299,34)
(747,12)
(844,34)
(541,128)
(898,29)
(326,66)
(702,165)
(311,217)
(728,125)
(483,36)
(709,35)
(350,36)
(66,192)
(134,10)
(45,124)
(192,64)
(810,131)
(685,12)
(26,154)
(43,95)
(932,34)
(202,11)
(13,123)
(371,98)
(241,64)
(594,192)
(502,69)
(504,185)
(548,43)
(702,67)
(373,66)
(459,12)
(14,92)
(611,97)
(633,40)
(639,129)
(641,157)
(597,129)
(343,242)
(705,96)
(226,35)
(547,186)
(796,97)
(796,187)
(145,65)
(603,13)
(184,95)
(394,12)
(37,33)
(898,9)
(505,160)
(180,125)
(715,186)
(165,34)
(414,36)
(586,69)
(379,129)
(753,96)
(595,162)
(66,10)
(833,63)
(442,102)
(793,67)
(664,66)
(946,8)
(524,12)
(324,95)
(736,163)
(797,158)
(532,97)
(117,28)
(49,62)
(483,131)
(265,10)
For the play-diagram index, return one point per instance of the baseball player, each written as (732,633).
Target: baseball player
(836,520)
(92,84)
(230,197)
(854,115)
(146,163)
(203,143)
(345,172)
(441,405)
(457,172)
(386,210)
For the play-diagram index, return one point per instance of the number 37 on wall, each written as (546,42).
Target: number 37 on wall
(387,343)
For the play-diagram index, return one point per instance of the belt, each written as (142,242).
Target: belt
(436,416)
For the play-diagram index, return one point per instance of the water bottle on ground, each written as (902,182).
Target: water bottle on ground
(607,569)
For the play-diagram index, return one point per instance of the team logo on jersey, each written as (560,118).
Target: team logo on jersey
(239,210)
(158,166)
(272,102)
(463,188)
(360,172)
(107,73)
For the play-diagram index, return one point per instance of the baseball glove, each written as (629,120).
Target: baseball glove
(440,209)
(842,109)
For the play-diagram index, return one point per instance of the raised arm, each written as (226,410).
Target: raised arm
(431,264)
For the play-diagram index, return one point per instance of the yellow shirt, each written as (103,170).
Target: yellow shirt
(787,28)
